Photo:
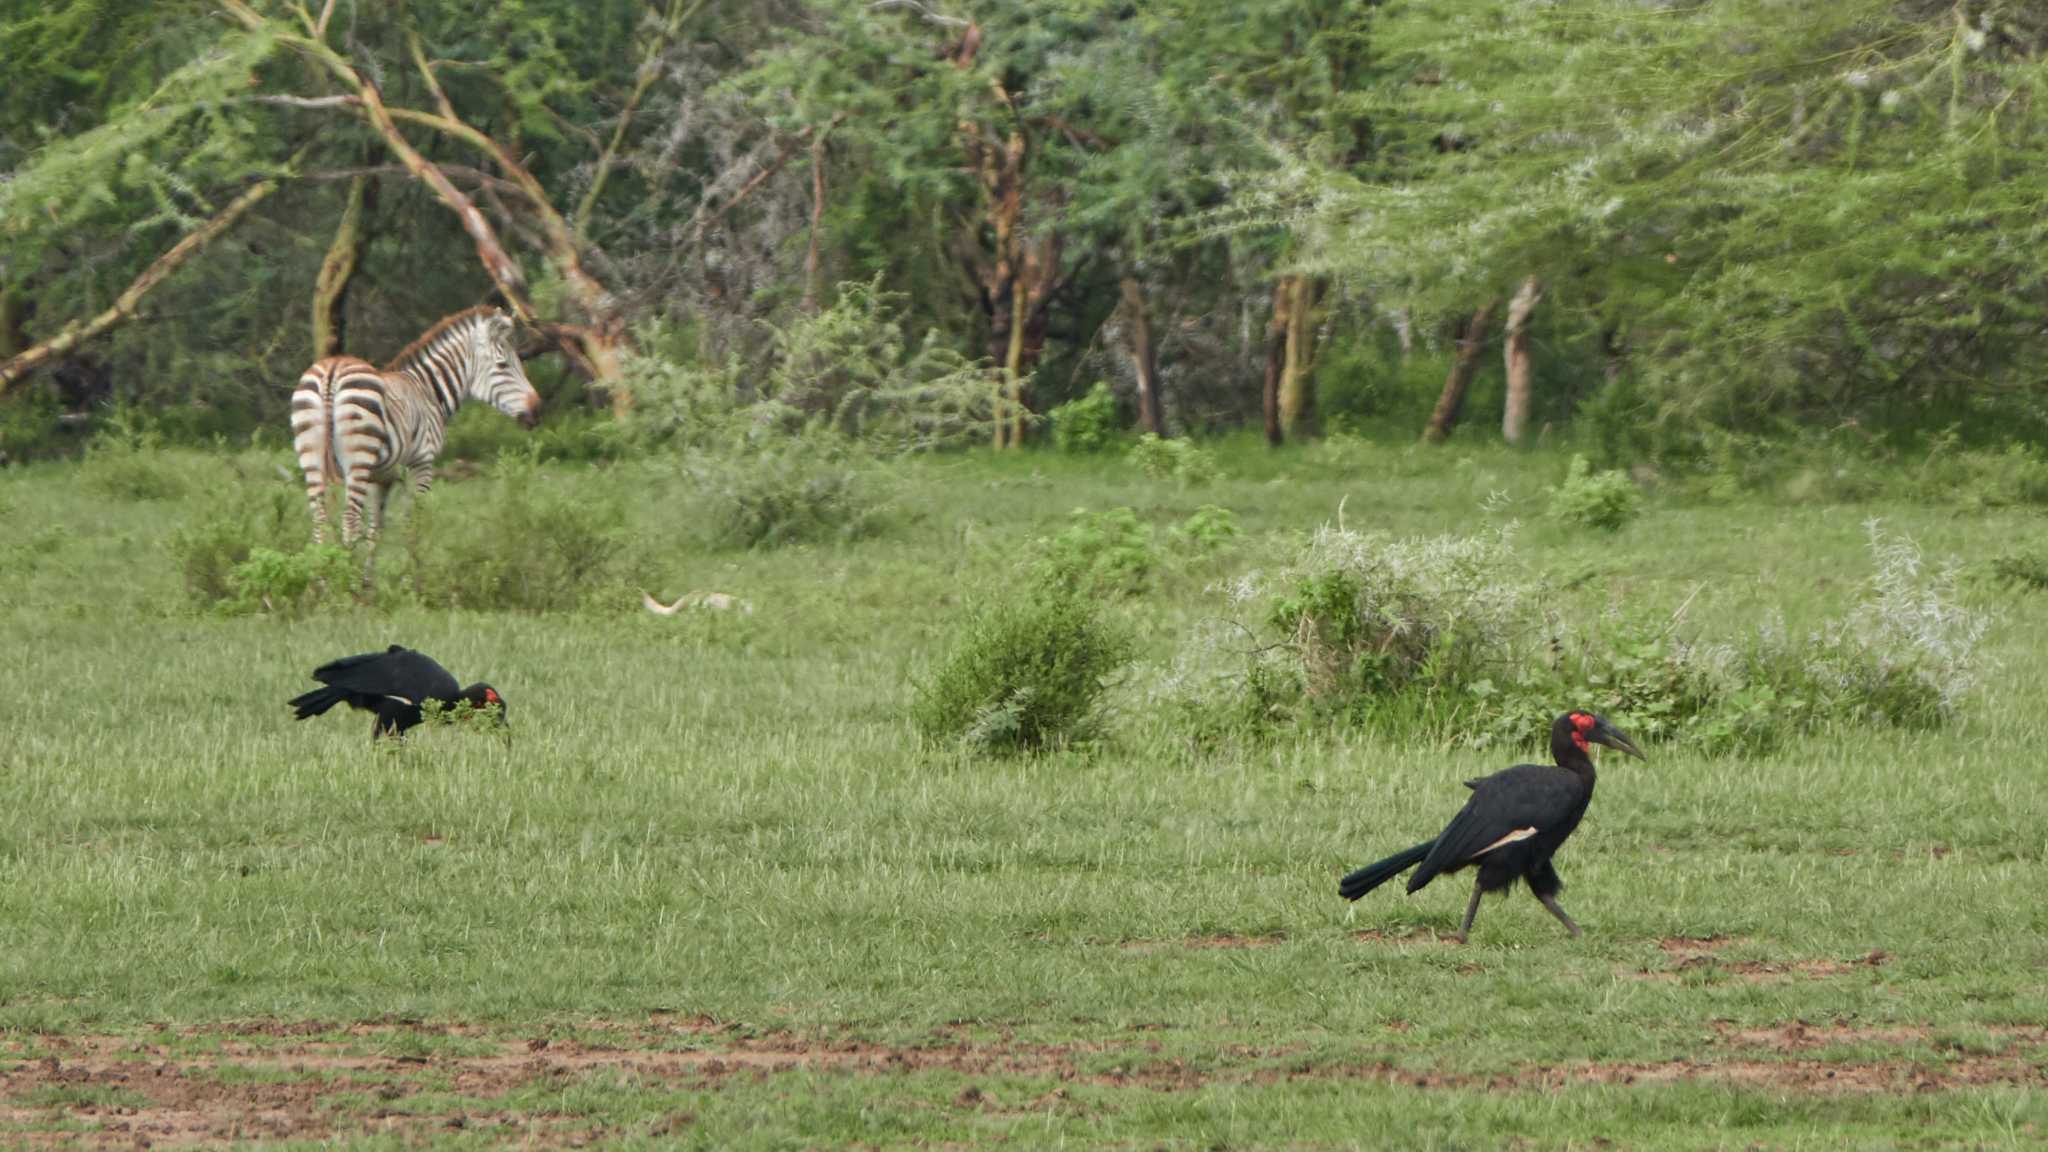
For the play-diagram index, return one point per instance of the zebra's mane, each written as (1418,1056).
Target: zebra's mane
(440,328)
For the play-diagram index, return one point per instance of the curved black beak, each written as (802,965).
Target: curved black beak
(1608,734)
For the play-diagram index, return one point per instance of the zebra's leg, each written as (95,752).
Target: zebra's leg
(309,436)
(370,534)
(316,500)
(359,487)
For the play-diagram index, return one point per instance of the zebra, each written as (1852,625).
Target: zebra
(363,426)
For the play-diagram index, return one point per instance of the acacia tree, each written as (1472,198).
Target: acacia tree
(1836,211)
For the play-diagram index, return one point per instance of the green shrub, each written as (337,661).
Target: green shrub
(1602,500)
(230,529)
(800,491)
(533,545)
(847,370)
(1181,460)
(1208,531)
(1365,616)
(290,583)
(1025,673)
(1088,423)
(2027,571)
(1100,553)
(1448,633)
(127,462)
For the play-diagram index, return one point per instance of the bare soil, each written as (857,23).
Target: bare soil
(303,1080)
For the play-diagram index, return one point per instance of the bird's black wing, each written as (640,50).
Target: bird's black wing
(397,671)
(1505,807)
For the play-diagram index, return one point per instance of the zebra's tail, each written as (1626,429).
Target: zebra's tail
(313,423)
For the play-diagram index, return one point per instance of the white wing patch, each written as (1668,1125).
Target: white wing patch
(400,699)
(1518,834)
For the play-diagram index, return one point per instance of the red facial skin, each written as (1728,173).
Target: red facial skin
(1584,724)
(491,694)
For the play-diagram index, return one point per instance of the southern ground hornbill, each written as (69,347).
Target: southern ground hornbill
(1511,826)
(394,684)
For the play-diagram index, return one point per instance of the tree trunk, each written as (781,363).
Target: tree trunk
(1013,367)
(330,287)
(79,331)
(810,304)
(13,322)
(1515,415)
(1297,396)
(1143,363)
(1404,332)
(1471,343)
(1276,356)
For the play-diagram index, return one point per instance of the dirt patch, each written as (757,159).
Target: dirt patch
(1703,954)
(1693,947)
(275,1080)
(1800,1036)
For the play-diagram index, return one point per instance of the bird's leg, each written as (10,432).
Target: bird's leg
(1471,910)
(1550,902)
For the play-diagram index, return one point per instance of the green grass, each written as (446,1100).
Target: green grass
(731,818)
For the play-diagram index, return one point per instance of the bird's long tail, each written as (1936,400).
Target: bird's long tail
(1373,875)
(317,701)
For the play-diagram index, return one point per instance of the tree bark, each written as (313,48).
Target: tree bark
(817,219)
(1144,363)
(1297,399)
(1515,414)
(79,331)
(1471,343)
(1276,356)
(337,269)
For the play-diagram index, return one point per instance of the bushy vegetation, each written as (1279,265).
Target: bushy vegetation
(1177,459)
(1100,553)
(232,527)
(1450,633)
(529,544)
(1087,423)
(1024,672)
(1601,500)
(800,490)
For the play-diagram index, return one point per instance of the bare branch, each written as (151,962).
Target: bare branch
(938,18)
(79,331)
(650,68)
(419,58)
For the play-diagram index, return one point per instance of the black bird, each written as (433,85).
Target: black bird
(1511,826)
(393,684)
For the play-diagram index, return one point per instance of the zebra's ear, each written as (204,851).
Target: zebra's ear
(501,329)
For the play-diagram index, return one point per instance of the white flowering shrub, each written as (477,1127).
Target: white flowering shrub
(1450,632)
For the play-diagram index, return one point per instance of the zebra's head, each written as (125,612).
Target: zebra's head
(500,379)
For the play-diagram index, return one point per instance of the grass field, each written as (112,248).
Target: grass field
(716,894)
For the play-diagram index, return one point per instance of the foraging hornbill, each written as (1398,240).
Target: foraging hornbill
(394,684)
(1511,826)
